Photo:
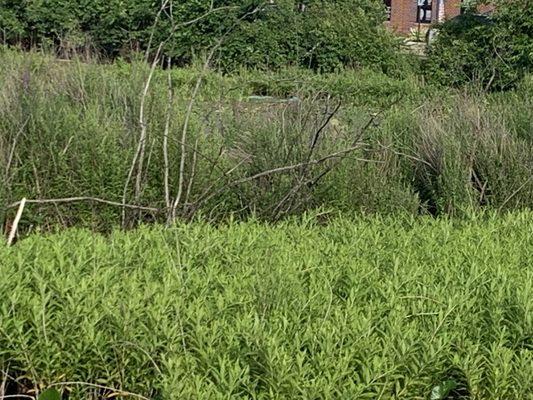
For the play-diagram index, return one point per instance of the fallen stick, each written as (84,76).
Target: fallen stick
(81,199)
(14,227)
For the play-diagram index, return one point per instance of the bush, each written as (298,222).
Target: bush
(346,33)
(494,53)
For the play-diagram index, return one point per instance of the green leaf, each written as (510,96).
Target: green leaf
(441,391)
(50,394)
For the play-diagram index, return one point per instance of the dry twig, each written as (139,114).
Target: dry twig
(15,225)
(137,162)
(83,199)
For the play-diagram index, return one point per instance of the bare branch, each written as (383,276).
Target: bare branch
(411,157)
(303,177)
(316,136)
(139,153)
(165,139)
(208,13)
(186,128)
(278,170)
(15,225)
(157,17)
(83,199)
(193,171)
(299,165)
(515,193)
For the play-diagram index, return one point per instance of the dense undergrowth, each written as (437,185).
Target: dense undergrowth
(72,129)
(373,308)
(253,33)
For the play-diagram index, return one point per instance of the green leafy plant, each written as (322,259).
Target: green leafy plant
(352,308)
(442,390)
(49,394)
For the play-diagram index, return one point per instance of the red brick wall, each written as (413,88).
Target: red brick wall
(403,13)
(452,8)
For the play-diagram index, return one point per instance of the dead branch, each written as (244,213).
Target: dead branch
(15,225)
(202,200)
(185,129)
(83,199)
(175,27)
(411,157)
(207,14)
(165,140)
(514,193)
(157,17)
(299,165)
(143,125)
(139,153)
(207,196)
(302,180)
(193,171)
(316,136)
(312,182)
(190,107)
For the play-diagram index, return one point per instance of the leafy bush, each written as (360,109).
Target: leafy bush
(12,27)
(494,52)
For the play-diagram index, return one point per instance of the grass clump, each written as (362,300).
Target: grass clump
(71,129)
(368,308)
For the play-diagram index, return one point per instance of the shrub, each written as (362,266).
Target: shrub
(494,53)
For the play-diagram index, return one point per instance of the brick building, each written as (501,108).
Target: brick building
(406,16)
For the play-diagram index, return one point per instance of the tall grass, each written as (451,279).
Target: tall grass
(375,308)
(71,129)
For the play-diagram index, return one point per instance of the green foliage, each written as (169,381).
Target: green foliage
(462,52)
(494,53)
(71,129)
(257,34)
(441,391)
(516,21)
(348,33)
(357,309)
(12,27)
(50,394)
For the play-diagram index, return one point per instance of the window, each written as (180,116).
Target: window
(463,8)
(388,7)
(424,11)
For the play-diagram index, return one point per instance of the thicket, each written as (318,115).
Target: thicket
(363,309)
(323,35)
(492,52)
(351,142)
